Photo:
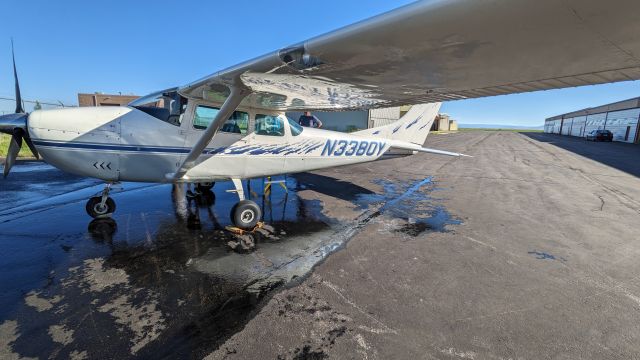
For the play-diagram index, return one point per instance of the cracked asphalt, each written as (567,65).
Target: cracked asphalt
(526,250)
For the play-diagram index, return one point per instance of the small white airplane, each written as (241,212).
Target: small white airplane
(231,124)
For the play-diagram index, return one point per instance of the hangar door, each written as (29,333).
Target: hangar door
(595,122)
(577,128)
(566,126)
(623,124)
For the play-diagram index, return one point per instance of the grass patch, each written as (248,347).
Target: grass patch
(4,147)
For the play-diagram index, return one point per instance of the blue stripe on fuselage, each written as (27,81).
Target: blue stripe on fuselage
(112,147)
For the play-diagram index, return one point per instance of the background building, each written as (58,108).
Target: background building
(621,118)
(358,120)
(444,122)
(348,121)
(99,99)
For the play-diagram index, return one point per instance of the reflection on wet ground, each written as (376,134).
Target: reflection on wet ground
(410,203)
(160,279)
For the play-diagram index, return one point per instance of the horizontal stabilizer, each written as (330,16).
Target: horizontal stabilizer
(413,147)
(442,152)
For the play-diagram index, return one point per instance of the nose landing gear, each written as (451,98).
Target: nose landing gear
(101,206)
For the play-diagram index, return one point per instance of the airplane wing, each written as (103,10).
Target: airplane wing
(439,50)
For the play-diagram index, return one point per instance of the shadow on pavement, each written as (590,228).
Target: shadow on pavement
(331,186)
(621,156)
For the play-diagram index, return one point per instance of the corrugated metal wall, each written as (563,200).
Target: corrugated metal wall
(577,128)
(339,121)
(554,126)
(381,117)
(566,126)
(595,122)
(623,124)
(549,125)
(351,120)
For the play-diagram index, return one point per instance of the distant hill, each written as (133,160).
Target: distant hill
(499,126)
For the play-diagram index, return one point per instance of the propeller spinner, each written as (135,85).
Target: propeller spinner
(16,125)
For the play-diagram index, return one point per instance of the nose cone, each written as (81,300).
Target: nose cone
(69,123)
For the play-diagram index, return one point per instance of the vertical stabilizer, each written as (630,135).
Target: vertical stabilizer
(413,127)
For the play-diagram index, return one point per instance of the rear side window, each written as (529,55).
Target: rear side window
(238,123)
(269,125)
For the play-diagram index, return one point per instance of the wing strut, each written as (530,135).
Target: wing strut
(230,105)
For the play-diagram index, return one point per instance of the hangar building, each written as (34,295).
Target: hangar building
(340,121)
(621,118)
(348,121)
(357,120)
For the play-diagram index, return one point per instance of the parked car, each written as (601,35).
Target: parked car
(600,135)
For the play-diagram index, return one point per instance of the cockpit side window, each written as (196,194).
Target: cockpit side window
(238,122)
(204,116)
(296,129)
(167,106)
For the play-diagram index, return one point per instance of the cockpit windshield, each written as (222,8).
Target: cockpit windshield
(166,105)
(296,129)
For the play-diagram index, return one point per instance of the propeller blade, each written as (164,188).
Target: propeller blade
(10,122)
(32,147)
(19,108)
(12,154)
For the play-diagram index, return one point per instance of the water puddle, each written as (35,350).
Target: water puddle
(411,205)
(160,278)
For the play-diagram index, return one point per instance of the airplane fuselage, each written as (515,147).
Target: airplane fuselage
(126,144)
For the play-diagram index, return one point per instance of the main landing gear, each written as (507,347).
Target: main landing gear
(101,206)
(204,186)
(245,214)
(200,189)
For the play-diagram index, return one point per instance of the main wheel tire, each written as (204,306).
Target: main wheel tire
(246,214)
(95,210)
(202,187)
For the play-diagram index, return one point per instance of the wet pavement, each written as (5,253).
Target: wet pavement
(542,266)
(528,250)
(161,279)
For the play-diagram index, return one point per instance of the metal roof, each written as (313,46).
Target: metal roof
(620,105)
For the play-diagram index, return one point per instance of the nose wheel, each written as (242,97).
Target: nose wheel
(101,206)
(245,214)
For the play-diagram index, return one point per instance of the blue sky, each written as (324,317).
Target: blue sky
(63,48)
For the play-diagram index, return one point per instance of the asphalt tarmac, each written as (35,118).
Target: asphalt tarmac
(526,250)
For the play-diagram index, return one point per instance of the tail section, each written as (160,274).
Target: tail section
(413,127)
